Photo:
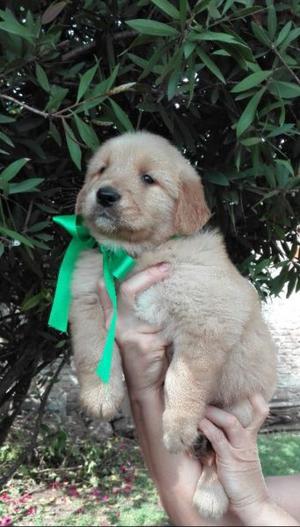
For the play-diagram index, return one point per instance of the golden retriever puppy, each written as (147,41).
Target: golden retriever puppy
(138,194)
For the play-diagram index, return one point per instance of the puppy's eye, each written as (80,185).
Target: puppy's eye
(149,180)
(101,170)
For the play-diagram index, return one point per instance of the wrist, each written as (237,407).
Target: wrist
(144,395)
(252,513)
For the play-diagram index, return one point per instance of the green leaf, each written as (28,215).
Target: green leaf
(31,302)
(168,8)
(6,139)
(103,87)
(244,12)
(85,81)
(11,25)
(286,129)
(201,6)
(121,116)
(16,236)
(87,133)
(53,131)
(57,95)
(283,33)
(286,90)
(173,83)
(272,21)
(251,141)
(6,119)
(151,63)
(188,48)
(183,8)
(248,114)
(29,185)
(221,53)
(218,178)
(260,34)
(12,170)
(1,249)
(254,79)
(286,164)
(268,172)
(42,78)
(227,6)
(293,35)
(73,146)
(215,37)
(153,28)
(210,64)
(39,226)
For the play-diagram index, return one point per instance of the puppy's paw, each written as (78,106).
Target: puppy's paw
(210,498)
(179,432)
(102,400)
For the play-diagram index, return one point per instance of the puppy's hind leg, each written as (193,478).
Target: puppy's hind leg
(210,497)
(88,338)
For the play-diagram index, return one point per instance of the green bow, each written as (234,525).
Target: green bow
(116,265)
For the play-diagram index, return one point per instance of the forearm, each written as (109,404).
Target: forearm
(268,514)
(165,468)
(175,475)
(284,491)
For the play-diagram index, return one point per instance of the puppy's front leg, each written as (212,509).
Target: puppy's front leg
(88,338)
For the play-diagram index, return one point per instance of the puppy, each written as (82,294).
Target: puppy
(142,195)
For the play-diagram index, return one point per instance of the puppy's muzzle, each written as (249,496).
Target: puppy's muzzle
(107,196)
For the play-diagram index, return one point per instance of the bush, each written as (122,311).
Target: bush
(217,77)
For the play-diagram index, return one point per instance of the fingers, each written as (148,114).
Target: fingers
(260,412)
(216,436)
(220,425)
(228,422)
(143,280)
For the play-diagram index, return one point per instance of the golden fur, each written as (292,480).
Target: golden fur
(222,349)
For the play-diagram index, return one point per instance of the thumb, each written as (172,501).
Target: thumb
(143,280)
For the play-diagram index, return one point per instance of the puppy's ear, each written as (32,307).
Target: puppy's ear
(192,211)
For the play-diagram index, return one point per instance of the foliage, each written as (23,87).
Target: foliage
(74,483)
(217,77)
(279,454)
(70,486)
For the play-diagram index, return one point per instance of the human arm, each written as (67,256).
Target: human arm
(176,476)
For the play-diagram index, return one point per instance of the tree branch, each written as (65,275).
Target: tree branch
(64,113)
(286,65)
(24,105)
(77,52)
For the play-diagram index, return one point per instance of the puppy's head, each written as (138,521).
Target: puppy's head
(140,191)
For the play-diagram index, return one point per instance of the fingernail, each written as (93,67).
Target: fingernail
(164,267)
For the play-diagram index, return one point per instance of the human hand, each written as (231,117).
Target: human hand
(142,346)
(238,464)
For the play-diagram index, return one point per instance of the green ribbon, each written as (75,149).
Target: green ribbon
(116,265)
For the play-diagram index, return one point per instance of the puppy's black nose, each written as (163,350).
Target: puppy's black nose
(107,196)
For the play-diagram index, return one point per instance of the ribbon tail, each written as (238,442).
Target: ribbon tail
(59,314)
(104,365)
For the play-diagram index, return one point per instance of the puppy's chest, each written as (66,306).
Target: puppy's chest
(151,306)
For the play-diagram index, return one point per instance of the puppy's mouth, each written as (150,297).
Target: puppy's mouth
(105,219)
